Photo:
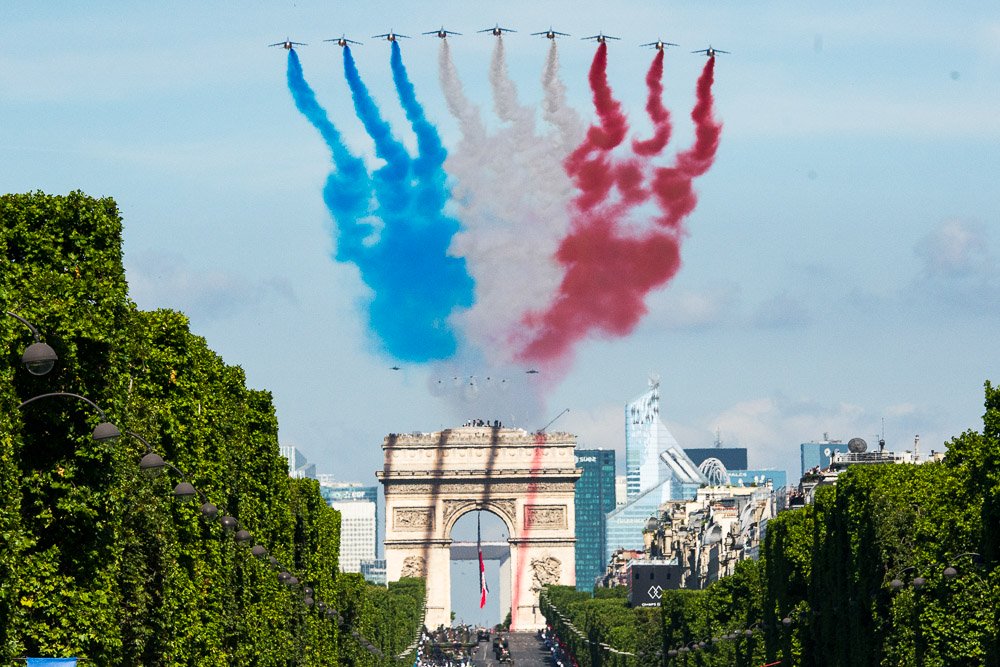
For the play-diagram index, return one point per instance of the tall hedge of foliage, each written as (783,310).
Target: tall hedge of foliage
(99,562)
(821,593)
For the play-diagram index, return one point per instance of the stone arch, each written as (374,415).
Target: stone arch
(526,479)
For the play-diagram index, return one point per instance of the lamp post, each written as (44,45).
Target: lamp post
(916,583)
(38,358)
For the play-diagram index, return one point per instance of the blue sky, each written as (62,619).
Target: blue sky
(840,268)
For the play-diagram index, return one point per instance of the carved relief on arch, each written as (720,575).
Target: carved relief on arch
(413,518)
(414,566)
(545,571)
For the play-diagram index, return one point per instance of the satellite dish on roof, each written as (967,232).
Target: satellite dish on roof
(857,445)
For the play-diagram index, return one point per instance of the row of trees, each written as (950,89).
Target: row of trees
(893,566)
(97,561)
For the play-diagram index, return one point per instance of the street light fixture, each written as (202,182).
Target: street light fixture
(103,432)
(38,358)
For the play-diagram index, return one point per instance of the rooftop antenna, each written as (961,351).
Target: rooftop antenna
(542,429)
(881,440)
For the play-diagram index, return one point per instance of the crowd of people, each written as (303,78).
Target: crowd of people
(554,645)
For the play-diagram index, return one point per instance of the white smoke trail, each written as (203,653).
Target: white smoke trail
(512,195)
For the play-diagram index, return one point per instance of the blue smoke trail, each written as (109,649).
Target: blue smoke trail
(416,284)
(348,189)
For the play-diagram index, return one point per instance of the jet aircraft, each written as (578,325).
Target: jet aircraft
(342,41)
(659,44)
(550,33)
(600,37)
(390,36)
(441,33)
(710,52)
(497,31)
(531,371)
(287,44)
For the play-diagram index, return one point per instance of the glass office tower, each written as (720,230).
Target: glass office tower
(595,498)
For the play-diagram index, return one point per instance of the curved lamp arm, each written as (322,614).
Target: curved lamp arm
(103,431)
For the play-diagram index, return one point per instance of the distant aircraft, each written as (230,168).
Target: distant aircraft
(497,31)
(550,33)
(288,44)
(530,371)
(390,36)
(441,33)
(342,41)
(394,368)
(710,52)
(600,37)
(659,44)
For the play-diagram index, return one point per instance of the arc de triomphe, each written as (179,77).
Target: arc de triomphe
(526,479)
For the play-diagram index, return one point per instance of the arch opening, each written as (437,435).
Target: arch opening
(464,565)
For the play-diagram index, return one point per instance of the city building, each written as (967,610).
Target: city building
(373,570)
(621,497)
(734,458)
(819,454)
(855,452)
(778,479)
(647,579)
(595,498)
(656,470)
(341,492)
(357,532)
(298,466)
(707,536)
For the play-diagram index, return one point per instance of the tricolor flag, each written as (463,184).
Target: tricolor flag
(483,589)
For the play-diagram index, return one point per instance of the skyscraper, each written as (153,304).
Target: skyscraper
(594,498)
(656,470)
(358,521)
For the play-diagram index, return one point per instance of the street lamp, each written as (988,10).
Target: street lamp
(103,432)
(38,358)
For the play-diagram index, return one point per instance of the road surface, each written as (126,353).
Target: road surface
(526,649)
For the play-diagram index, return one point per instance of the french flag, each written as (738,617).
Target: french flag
(483,589)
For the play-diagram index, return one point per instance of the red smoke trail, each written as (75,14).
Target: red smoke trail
(536,466)
(657,112)
(672,186)
(609,270)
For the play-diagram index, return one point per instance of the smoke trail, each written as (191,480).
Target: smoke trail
(415,285)
(657,112)
(347,188)
(609,271)
(511,194)
(557,112)
(672,186)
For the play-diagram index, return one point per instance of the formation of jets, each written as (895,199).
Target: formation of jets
(497,31)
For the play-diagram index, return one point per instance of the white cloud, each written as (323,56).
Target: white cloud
(158,280)
(693,308)
(772,427)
